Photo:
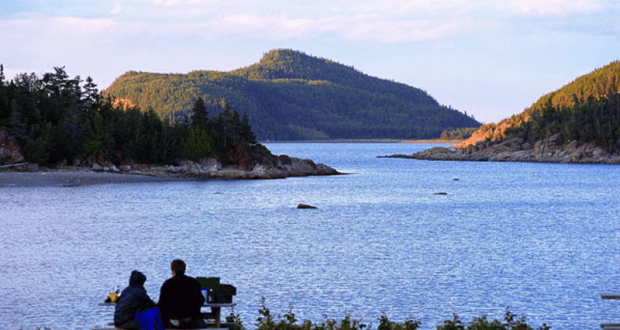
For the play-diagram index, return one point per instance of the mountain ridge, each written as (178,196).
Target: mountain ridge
(289,95)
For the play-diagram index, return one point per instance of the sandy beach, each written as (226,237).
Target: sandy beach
(72,178)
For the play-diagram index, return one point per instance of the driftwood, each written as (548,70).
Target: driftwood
(12,165)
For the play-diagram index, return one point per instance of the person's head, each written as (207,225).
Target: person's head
(178,267)
(137,279)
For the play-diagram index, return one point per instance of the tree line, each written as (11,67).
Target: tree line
(583,110)
(56,120)
(596,120)
(458,134)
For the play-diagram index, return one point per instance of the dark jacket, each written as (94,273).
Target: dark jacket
(180,297)
(132,298)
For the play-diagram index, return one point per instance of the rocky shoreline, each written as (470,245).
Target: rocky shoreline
(28,174)
(549,150)
(261,166)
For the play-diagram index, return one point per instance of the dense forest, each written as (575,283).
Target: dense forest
(596,120)
(585,110)
(458,134)
(59,120)
(289,95)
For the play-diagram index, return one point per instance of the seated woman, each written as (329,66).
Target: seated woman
(134,302)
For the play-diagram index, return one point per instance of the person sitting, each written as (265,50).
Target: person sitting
(180,299)
(134,299)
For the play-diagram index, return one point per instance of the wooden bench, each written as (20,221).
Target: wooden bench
(610,326)
(166,329)
(215,315)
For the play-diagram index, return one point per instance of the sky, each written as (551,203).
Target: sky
(489,58)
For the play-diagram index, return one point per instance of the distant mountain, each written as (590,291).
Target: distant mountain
(289,95)
(585,110)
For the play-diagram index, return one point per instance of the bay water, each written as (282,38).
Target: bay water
(404,238)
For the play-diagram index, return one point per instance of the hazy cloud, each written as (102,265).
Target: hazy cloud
(447,39)
(556,8)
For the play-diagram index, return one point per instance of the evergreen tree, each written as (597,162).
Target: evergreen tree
(91,94)
(199,117)
(246,130)
(55,121)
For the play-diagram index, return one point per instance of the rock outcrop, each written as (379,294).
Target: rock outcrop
(209,168)
(11,156)
(256,167)
(306,206)
(10,152)
(549,150)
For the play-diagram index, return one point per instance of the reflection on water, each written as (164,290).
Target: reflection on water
(540,238)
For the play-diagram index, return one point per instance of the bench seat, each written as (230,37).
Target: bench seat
(166,329)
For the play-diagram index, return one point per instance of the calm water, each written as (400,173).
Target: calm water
(540,238)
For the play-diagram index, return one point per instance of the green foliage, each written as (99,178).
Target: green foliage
(199,118)
(289,95)
(267,322)
(511,321)
(386,324)
(596,121)
(196,144)
(586,110)
(458,134)
(234,321)
(56,120)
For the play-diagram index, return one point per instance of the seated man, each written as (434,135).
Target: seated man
(180,299)
(133,298)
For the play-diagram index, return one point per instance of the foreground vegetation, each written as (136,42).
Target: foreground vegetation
(266,321)
(289,95)
(57,120)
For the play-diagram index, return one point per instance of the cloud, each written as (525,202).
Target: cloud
(359,26)
(417,30)
(117,9)
(555,8)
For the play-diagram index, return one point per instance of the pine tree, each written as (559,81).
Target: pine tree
(199,118)
(246,130)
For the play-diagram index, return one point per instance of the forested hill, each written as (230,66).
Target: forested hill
(586,110)
(289,95)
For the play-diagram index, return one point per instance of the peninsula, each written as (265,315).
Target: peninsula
(579,123)
(55,122)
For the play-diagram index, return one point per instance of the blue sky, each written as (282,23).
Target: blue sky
(489,58)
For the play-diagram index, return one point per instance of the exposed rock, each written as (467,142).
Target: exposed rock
(306,206)
(10,152)
(278,167)
(26,167)
(259,165)
(96,167)
(210,164)
(549,150)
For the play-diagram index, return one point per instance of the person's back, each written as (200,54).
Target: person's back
(132,299)
(180,299)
